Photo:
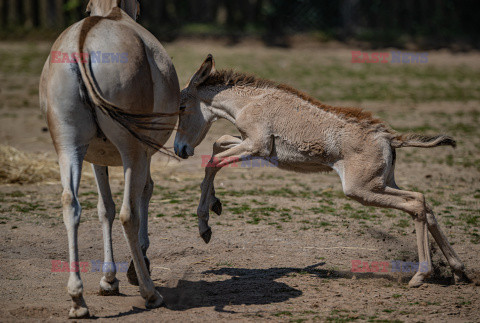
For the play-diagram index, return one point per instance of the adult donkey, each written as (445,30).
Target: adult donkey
(304,135)
(110,115)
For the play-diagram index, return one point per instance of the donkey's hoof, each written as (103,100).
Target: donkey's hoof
(461,278)
(155,301)
(109,289)
(217,207)
(207,235)
(416,281)
(79,313)
(132,274)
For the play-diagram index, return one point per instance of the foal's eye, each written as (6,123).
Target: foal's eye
(182,108)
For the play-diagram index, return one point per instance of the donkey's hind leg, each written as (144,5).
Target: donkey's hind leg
(72,128)
(135,162)
(143,231)
(70,170)
(106,214)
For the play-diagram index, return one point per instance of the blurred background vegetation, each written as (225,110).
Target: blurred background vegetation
(428,24)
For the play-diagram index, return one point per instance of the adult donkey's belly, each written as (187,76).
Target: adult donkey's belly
(103,153)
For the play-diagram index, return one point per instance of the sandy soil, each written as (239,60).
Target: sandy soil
(281,251)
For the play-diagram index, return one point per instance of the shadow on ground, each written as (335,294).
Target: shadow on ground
(250,287)
(253,287)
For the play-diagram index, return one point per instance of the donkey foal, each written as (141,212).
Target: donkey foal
(275,120)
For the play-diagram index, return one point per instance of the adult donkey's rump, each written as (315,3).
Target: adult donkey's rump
(304,135)
(110,113)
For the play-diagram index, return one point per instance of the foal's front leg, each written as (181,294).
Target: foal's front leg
(227,150)
(222,144)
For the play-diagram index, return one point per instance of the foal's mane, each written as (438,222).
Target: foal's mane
(230,78)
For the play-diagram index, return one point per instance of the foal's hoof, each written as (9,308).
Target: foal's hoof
(109,289)
(207,235)
(416,281)
(132,274)
(217,207)
(461,278)
(155,301)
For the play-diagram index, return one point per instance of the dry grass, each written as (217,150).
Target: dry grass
(17,167)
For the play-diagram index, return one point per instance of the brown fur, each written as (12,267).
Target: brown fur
(232,78)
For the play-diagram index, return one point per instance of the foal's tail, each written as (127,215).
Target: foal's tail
(135,124)
(415,140)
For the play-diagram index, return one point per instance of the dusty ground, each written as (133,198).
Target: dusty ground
(283,248)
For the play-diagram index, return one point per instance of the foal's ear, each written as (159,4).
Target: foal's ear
(88,11)
(204,71)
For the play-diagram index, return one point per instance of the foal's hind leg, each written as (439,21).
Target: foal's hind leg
(421,230)
(454,261)
(106,214)
(368,187)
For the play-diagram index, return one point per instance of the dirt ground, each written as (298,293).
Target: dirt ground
(283,248)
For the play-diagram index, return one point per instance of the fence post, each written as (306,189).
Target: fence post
(59,14)
(2,13)
(348,13)
(43,14)
(13,17)
(28,13)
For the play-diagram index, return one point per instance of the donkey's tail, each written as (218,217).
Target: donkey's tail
(415,140)
(135,124)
